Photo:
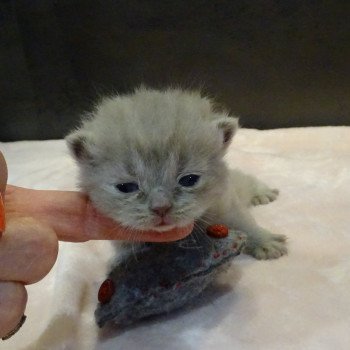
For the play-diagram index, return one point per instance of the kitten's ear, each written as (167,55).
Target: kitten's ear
(81,146)
(227,128)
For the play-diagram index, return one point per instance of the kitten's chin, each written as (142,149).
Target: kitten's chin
(161,224)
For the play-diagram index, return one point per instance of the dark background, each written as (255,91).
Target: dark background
(274,63)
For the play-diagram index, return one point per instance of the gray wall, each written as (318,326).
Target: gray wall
(275,63)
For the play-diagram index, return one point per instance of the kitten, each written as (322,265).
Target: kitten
(154,160)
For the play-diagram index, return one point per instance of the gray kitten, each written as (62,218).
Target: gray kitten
(154,160)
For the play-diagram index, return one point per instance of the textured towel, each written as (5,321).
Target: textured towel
(301,301)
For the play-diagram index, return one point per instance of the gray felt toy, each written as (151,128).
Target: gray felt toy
(160,277)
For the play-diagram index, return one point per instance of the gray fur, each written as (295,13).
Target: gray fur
(154,138)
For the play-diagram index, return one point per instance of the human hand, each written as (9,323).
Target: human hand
(35,221)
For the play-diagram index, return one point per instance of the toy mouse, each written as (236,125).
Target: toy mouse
(161,277)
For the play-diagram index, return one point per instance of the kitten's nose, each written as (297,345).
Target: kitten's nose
(162,210)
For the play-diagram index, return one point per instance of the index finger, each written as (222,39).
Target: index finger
(73,218)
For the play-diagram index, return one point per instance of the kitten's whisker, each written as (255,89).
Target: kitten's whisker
(203,231)
(196,235)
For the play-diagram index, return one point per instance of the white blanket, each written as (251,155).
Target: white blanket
(301,301)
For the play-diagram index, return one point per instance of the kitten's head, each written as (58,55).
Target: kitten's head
(153,159)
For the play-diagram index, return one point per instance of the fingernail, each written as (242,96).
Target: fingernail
(2,215)
(16,329)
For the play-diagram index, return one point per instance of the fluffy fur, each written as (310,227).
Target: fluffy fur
(153,138)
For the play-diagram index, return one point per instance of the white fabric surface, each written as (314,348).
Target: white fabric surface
(301,301)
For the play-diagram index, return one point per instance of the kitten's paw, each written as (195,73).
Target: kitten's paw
(265,195)
(272,248)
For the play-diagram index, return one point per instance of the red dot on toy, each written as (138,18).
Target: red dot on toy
(106,291)
(217,231)
(216,255)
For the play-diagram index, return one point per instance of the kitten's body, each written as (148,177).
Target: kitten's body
(166,148)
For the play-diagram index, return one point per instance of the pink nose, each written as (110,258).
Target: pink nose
(161,211)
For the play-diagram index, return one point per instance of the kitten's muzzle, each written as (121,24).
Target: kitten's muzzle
(162,210)
(160,202)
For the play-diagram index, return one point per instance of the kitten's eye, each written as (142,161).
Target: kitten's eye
(189,180)
(128,187)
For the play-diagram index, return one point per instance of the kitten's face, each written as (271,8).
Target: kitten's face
(148,193)
(148,171)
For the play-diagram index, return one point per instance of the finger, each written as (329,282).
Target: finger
(13,299)
(174,234)
(28,250)
(73,218)
(65,212)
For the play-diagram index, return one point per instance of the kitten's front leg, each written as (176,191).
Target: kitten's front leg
(266,245)
(261,243)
